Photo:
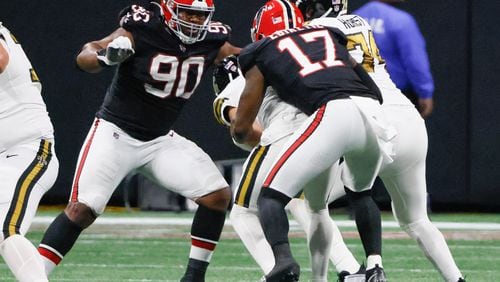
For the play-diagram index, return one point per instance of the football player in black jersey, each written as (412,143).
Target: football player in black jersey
(161,52)
(310,68)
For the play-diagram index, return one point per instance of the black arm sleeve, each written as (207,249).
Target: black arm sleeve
(368,81)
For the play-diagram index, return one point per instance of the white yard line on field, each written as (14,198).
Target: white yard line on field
(341,223)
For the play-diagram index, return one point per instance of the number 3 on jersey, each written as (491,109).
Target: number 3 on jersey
(180,78)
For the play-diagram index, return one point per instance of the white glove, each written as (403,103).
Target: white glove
(116,52)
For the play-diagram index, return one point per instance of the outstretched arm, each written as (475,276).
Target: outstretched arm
(226,50)
(88,60)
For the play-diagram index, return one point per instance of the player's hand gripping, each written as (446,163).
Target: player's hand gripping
(116,52)
(224,73)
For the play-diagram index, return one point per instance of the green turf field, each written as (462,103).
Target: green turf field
(158,252)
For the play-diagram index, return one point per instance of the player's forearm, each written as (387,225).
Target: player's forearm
(87,59)
(246,135)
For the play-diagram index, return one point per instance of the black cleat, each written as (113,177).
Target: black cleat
(375,274)
(461,279)
(193,276)
(288,272)
(345,276)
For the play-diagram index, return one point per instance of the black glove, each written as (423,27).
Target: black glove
(224,73)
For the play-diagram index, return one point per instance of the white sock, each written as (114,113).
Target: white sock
(23,259)
(319,238)
(247,225)
(48,264)
(373,260)
(340,255)
(432,243)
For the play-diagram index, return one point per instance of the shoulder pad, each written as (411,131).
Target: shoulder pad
(338,34)
(135,15)
(218,31)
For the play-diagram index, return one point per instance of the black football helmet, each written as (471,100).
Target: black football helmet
(322,8)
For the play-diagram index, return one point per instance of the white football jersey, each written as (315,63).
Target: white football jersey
(277,118)
(23,114)
(362,47)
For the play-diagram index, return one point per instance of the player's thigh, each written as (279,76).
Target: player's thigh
(410,143)
(335,183)
(182,167)
(106,157)
(27,171)
(408,193)
(362,162)
(316,191)
(254,171)
(321,140)
(404,178)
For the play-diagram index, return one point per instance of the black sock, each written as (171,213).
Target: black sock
(60,236)
(208,223)
(274,220)
(368,222)
(205,233)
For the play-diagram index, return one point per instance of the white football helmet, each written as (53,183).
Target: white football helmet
(178,12)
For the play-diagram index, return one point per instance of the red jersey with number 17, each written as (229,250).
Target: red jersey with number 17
(150,88)
(307,66)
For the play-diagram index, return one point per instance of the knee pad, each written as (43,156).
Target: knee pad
(416,228)
(238,211)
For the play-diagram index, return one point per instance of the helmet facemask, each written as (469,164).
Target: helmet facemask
(177,16)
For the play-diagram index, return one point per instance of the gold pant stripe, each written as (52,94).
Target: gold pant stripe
(23,189)
(249,175)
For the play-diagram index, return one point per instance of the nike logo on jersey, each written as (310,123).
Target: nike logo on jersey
(9,156)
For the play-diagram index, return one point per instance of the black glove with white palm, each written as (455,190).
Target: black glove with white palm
(116,52)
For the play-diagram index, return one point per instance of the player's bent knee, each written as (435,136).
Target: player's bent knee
(218,200)
(80,214)
(358,195)
(416,228)
(271,194)
(238,212)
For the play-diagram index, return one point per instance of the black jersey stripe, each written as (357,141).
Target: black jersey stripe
(303,137)
(247,181)
(24,186)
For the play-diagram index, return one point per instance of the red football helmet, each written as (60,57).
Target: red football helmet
(188,19)
(273,16)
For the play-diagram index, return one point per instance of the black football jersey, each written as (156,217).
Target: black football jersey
(307,66)
(150,88)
